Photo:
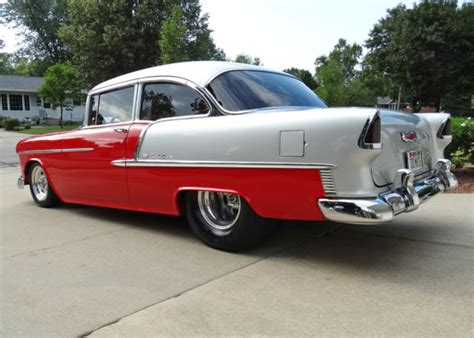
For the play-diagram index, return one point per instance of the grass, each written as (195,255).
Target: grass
(38,130)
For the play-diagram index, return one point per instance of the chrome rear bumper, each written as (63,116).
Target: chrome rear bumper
(20,183)
(406,196)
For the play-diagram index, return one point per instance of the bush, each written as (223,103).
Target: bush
(461,150)
(12,124)
(27,126)
(2,121)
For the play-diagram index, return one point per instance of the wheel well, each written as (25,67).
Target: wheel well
(181,201)
(27,170)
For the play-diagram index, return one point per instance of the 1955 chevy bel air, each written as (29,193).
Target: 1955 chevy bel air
(234,147)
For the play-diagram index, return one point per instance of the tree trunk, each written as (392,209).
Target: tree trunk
(414,105)
(61,117)
(438,104)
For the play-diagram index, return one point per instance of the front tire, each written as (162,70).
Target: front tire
(225,221)
(40,188)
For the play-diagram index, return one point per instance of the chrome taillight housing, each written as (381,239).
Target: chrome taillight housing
(371,135)
(444,131)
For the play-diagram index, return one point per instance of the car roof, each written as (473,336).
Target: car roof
(199,72)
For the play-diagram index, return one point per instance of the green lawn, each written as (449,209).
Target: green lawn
(38,130)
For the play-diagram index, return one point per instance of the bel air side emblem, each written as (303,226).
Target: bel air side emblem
(409,136)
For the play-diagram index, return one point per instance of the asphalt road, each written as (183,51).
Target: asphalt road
(78,270)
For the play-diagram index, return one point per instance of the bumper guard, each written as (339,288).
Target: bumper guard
(406,196)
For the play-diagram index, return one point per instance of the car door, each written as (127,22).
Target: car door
(88,176)
(152,189)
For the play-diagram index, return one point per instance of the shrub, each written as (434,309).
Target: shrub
(461,150)
(12,124)
(2,121)
(27,126)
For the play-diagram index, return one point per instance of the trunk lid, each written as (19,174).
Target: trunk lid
(404,136)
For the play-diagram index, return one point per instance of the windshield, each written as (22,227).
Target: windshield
(245,90)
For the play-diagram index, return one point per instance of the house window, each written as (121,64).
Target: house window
(46,105)
(16,102)
(4,102)
(38,101)
(27,102)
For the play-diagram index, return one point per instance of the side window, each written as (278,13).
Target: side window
(111,107)
(162,100)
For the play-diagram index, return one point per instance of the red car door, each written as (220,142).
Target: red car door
(87,175)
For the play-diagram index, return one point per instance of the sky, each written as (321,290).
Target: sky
(283,33)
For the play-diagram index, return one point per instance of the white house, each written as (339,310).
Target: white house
(20,99)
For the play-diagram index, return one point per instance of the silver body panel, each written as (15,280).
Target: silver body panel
(330,137)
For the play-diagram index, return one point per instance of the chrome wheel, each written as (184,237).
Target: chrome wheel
(39,183)
(220,210)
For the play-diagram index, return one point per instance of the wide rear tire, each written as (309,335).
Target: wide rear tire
(225,221)
(40,188)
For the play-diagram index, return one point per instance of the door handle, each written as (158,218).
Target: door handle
(120,130)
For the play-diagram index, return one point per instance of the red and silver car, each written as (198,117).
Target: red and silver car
(234,147)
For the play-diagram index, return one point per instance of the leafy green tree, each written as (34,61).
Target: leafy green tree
(178,42)
(427,51)
(331,83)
(40,22)
(346,56)
(244,58)
(173,38)
(304,76)
(109,38)
(6,64)
(61,84)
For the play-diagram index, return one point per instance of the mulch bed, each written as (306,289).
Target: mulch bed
(465,177)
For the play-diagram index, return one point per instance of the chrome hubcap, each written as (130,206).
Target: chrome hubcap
(39,183)
(220,210)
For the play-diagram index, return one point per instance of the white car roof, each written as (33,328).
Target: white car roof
(199,72)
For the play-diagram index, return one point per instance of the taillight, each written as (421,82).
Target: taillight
(370,138)
(445,130)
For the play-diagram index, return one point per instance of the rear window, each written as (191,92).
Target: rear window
(246,90)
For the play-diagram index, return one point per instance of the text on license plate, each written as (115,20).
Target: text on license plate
(415,159)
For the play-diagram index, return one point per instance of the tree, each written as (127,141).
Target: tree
(179,42)
(304,76)
(427,51)
(61,84)
(40,22)
(341,77)
(244,58)
(346,56)
(110,38)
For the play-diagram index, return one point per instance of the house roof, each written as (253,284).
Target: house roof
(16,83)
(384,100)
(199,72)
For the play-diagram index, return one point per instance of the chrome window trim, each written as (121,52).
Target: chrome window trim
(220,164)
(166,79)
(173,80)
(107,125)
(56,151)
(246,111)
(108,89)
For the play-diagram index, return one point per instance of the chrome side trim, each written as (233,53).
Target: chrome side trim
(56,151)
(328,182)
(219,164)
(405,197)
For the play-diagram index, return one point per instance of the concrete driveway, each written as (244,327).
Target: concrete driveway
(8,141)
(77,270)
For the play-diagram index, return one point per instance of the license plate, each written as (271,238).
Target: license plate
(415,159)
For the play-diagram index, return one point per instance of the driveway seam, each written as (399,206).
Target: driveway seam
(185,291)
(273,254)
(66,243)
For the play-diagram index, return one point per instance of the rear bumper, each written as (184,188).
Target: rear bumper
(406,196)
